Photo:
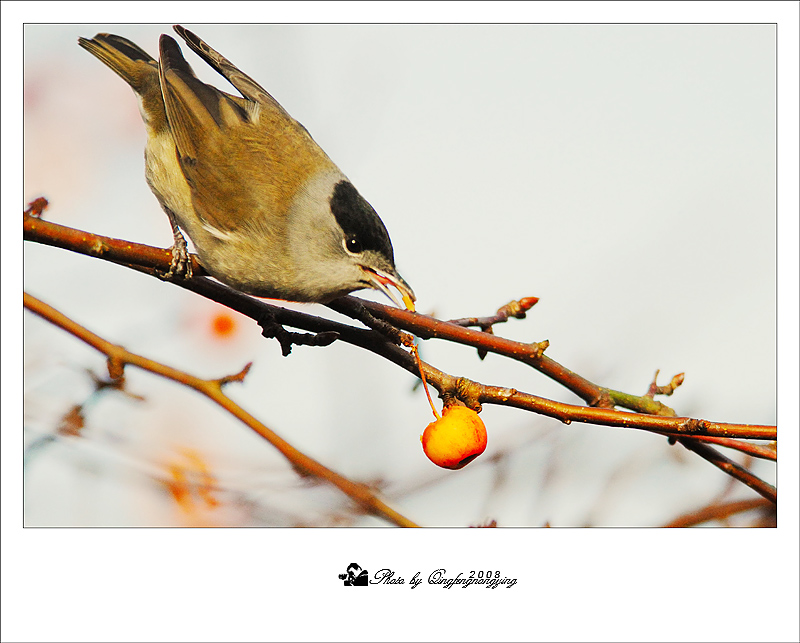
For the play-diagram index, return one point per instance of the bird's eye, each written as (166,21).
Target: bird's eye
(352,244)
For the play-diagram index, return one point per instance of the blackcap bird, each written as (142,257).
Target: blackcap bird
(266,209)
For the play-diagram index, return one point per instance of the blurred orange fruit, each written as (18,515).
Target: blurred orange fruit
(223,324)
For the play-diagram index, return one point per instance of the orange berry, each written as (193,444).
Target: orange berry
(223,324)
(455,439)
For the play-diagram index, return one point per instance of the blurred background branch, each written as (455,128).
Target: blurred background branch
(119,357)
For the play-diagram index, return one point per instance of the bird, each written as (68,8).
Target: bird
(268,212)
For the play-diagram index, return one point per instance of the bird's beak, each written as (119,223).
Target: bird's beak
(381,280)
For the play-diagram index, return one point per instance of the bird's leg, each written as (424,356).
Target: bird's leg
(181,265)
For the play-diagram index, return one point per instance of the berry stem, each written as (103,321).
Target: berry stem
(415,350)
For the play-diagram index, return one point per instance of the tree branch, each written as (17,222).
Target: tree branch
(384,339)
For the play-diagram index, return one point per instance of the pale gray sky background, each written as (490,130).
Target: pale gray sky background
(623,173)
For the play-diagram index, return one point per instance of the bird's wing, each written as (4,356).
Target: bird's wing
(248,87)
(214,135)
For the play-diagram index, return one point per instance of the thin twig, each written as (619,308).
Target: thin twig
(517,309)
(731,468)
(764,451)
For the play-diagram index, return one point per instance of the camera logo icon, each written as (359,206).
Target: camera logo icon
(355,576)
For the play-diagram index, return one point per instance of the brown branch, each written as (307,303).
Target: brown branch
(765,451)
(383,340)
(471,393)
(212,389)
(517,309)
(421,325)
(721,512)
(653,415)
(532,354)
(731,468)
(95,245)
